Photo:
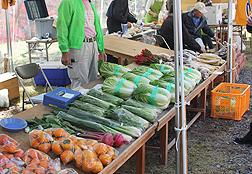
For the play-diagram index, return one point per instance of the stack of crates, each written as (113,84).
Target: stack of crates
(230,100)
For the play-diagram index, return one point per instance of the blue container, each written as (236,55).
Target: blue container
(55,72)
(60,96)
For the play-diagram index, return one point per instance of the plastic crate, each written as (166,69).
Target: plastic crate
(230,100)
(44,26)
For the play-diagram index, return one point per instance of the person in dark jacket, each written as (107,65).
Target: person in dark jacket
(195,20)
(118,13)
(166,31)
(247,139)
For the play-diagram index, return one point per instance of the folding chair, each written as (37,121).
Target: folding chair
(29,71)
(160,40)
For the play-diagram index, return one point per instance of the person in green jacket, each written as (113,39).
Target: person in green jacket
(153,8)
(80,40)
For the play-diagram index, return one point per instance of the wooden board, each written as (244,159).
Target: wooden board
(10,81)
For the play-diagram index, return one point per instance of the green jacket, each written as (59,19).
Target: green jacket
(70,25)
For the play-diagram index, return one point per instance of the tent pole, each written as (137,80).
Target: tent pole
(181,155)
(9,47)
(7,36)
(230,40)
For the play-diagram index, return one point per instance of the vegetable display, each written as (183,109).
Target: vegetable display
(154,95)
(87,107)
(124,116)
(138,80)
(169,86)
(149,70)
(108,69)
(119,87)
(145,113)
(105,96)
(130,130)
(162,68)
(95,101)
(90,125)
(146,75)
(132,102)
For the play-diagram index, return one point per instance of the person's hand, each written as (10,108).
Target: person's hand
(154,14)
(216,39)
(65,59)
(249,20)
(129,24)
(203,49)
(103,56)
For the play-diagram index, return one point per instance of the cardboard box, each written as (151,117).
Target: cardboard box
(213,14)
(45,25)
(10,81)
(60,96)
(55,72)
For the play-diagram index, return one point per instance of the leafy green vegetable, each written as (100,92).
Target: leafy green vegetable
(118,86)
(162,68)
(87,107)
(149,70)
(145,113)
(130,130)
(50,121)
(108,69)
(169,86)
(124,116)
(154,95)
(194,71)
(132,102)
(146,75)
(105,96)
(187,85)
(90,125)
(138,80)
(95,101)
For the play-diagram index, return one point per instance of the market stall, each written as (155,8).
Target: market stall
(138,145)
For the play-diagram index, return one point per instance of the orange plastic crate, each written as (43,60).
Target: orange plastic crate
(230,100)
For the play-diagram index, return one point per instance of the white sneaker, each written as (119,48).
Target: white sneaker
(212,50)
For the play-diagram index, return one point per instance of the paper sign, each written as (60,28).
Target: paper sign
(68,95)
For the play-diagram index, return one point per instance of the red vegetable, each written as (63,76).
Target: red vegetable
(108,139)
(118,140)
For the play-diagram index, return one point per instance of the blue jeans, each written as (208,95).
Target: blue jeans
(207,41)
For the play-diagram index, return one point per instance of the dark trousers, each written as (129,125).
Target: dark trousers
(207,41)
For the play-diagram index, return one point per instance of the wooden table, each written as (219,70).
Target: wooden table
(125,48)
(33,43)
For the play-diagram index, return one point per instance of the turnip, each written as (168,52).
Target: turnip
(118,140)
(108,139)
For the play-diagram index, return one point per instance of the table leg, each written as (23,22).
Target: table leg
(46,52)
(140,160)
(29,48)
(164,145)
(120,61)
(203,96)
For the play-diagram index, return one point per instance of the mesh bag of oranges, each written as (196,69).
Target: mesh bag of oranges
(68,171)
(95,157)
(57,133)
(66,148)
(5,163)
(9,147)
(39,162)
(40,140)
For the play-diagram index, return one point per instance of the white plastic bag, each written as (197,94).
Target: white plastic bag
(4,99)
